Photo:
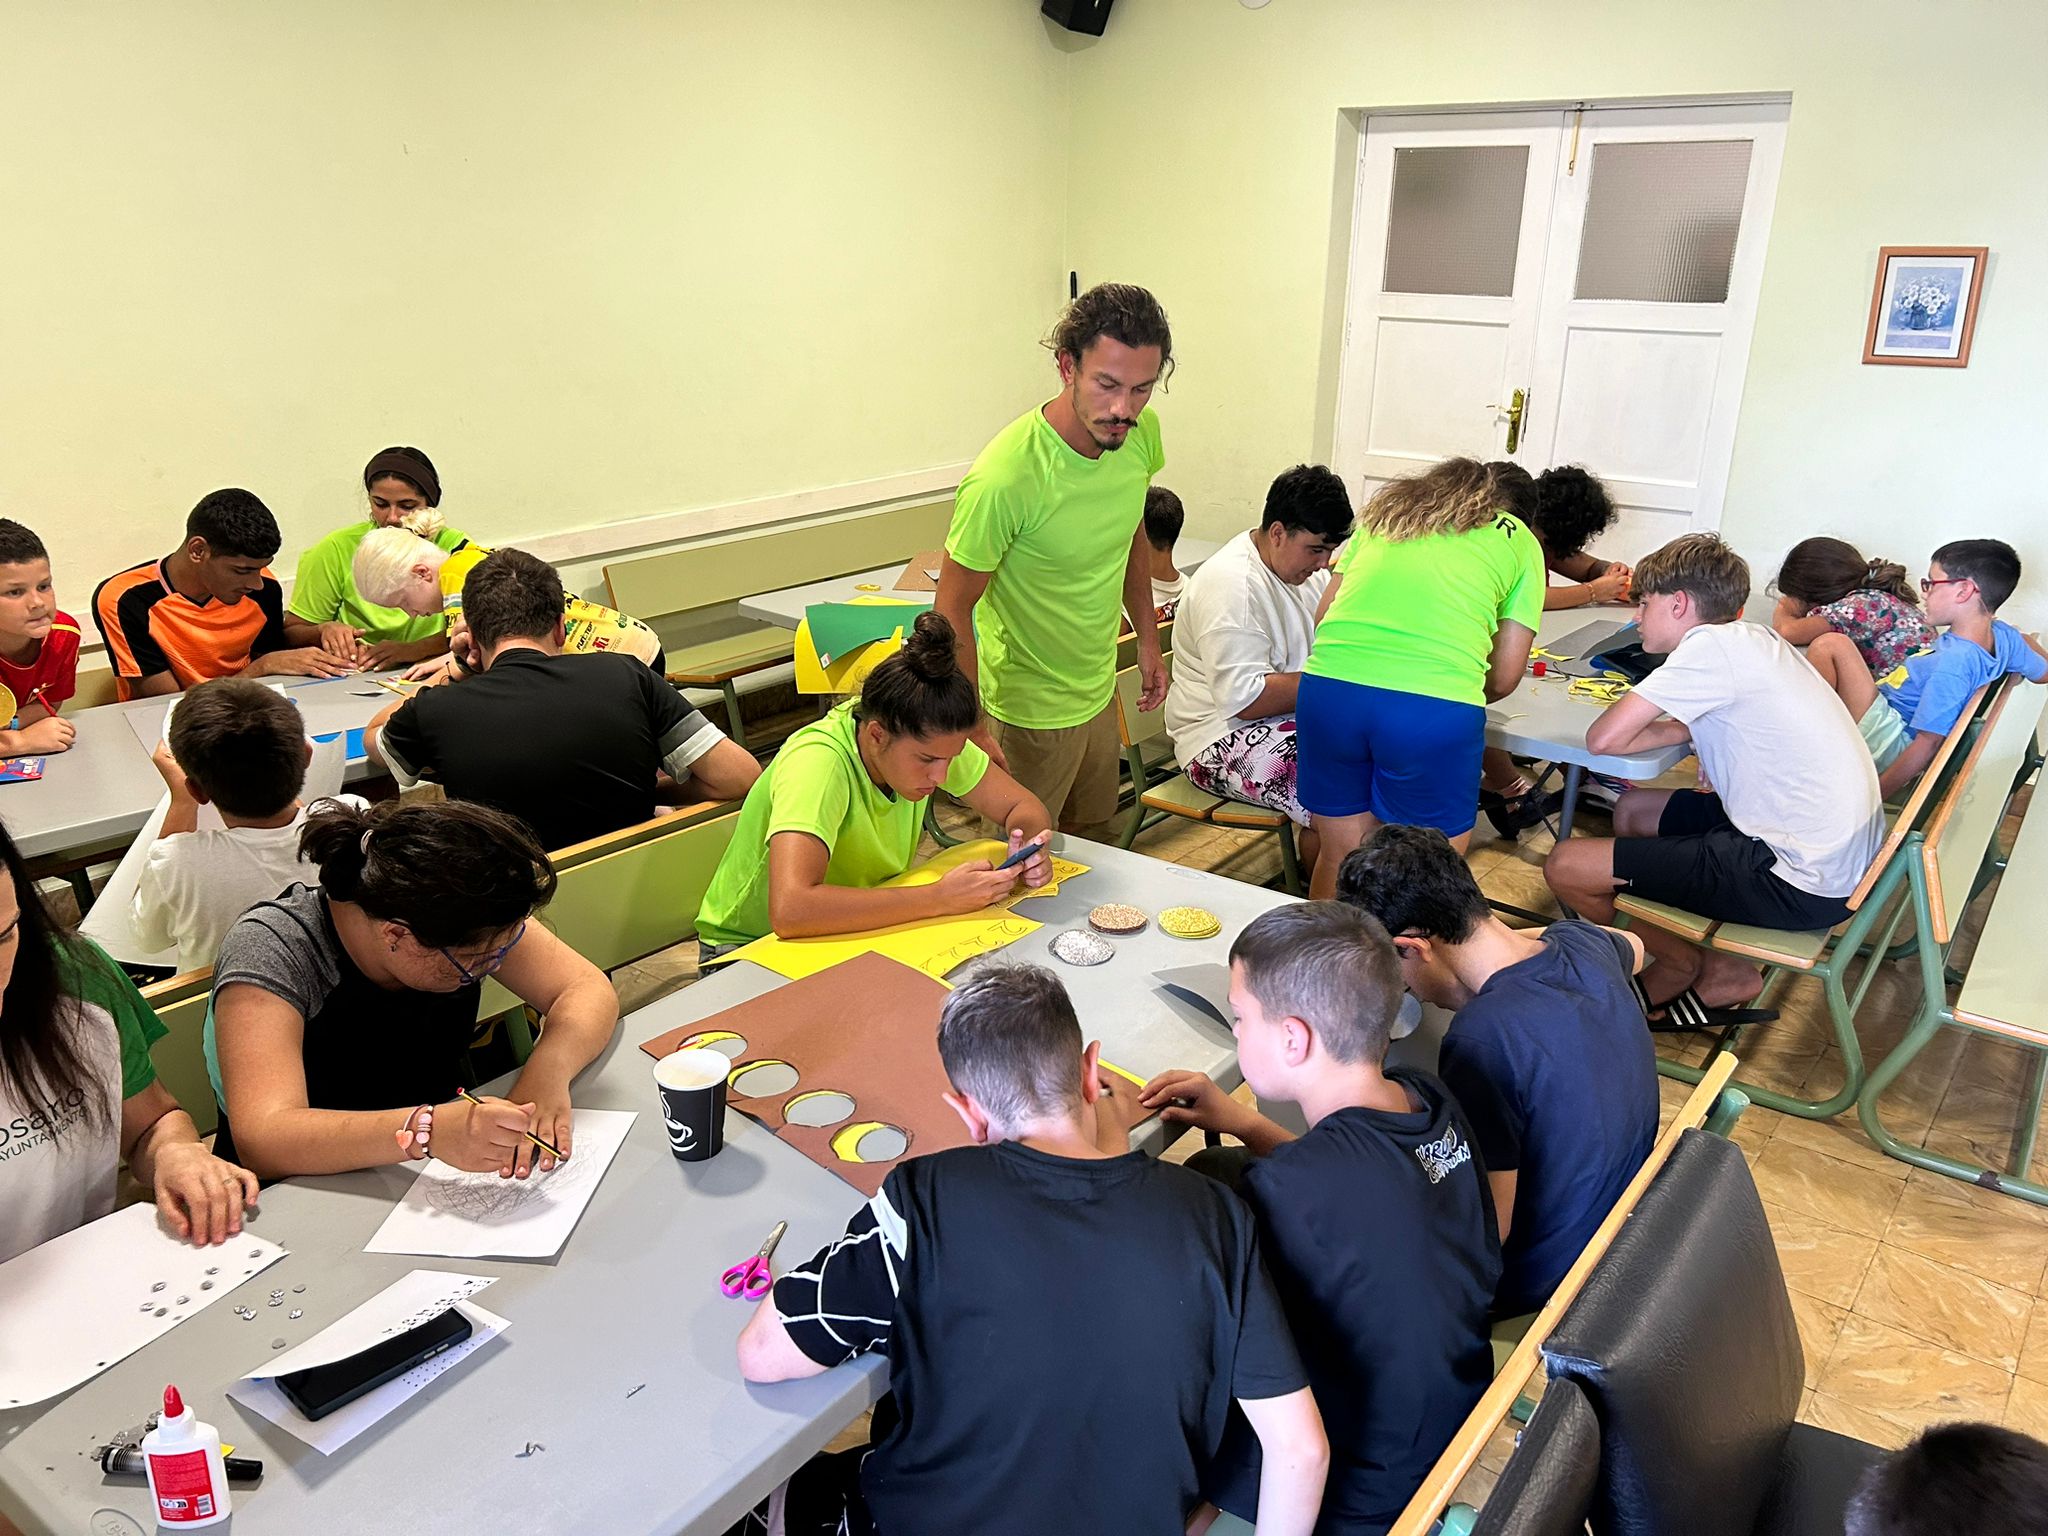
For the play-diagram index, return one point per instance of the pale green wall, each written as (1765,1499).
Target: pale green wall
(1207,151)
(600,259)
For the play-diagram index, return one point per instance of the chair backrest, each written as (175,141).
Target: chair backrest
(1138,728)
(703,575)
(622,906)
(1934,778)
(180,1057)
(1547,1487)
(1964,822)
(1684,1341)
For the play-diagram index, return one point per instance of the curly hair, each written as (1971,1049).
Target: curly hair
(1121,311)
(1455,496)
(1571,507)
(234,522)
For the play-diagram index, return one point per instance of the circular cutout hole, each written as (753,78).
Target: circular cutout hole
(723,1041)
(869,1141)
(818,1108)
(762,1079)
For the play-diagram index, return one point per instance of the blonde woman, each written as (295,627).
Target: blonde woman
(402,566)
(1429,618)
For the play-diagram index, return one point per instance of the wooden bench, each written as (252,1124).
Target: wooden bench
(687,594)
(1845,961)
(1707,1107)
(180,1004)
(1157,786)
(2003,993)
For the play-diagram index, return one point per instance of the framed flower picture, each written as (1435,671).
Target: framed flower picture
(1924,311)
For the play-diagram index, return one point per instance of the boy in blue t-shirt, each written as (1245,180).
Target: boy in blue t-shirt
(1547,1052)
(1375,1224)
(1905,714)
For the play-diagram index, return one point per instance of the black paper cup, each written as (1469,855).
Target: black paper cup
(692,1089)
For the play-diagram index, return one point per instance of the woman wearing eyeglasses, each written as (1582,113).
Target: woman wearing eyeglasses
(342,1011)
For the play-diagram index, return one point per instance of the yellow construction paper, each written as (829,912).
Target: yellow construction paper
(848,672)
(934,946)
(993,852)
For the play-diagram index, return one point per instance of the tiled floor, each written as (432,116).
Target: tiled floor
(1919,1298)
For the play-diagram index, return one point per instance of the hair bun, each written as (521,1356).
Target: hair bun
(928,648)
(426,522)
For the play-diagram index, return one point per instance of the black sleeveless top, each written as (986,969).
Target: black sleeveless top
(366,1046)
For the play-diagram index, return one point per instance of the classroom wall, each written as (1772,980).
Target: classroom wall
(601,260)
(1209,160)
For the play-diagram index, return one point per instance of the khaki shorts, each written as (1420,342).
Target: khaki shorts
(1074,769)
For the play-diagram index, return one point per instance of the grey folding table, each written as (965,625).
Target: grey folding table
(786,605)
(619,1359)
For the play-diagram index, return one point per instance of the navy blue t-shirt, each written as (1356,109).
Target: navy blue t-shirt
(1378,1231)
(1553,1064)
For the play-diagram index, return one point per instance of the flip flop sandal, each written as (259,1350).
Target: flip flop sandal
(1686,1013)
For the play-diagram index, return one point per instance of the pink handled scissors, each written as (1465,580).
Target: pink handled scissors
(753,1278)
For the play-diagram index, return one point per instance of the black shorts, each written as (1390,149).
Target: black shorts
(1699,861)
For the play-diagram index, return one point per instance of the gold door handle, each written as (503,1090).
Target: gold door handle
(1516,409)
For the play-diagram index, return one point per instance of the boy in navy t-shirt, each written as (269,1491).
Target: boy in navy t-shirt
(1376,1223)
(1069,1324)
(1905,714)
(1548,1051)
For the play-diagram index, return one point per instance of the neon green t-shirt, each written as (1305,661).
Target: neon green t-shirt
(324,591)
(1419,615)
(818,784)
(1054,529)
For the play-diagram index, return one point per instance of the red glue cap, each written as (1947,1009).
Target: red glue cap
(173,1404)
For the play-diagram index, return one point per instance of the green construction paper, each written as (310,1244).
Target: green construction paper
(838,629)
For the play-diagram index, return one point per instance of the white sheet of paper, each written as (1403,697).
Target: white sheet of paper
(404,1304)
(450,1214)
(81,1302)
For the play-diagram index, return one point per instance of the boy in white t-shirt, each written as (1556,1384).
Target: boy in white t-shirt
(1164,517)
(240,747)
(1793,819)
(1243,632)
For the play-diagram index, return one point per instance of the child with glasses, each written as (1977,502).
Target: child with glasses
(1904,713)
(342,1010)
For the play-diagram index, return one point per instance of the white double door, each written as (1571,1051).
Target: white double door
(1560,287)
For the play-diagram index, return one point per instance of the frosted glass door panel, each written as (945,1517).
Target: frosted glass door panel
(1662,221)
(1456,219)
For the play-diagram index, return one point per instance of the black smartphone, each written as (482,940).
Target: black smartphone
(320,1390)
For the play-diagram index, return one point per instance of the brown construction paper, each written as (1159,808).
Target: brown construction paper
(867,1027)
(913,578)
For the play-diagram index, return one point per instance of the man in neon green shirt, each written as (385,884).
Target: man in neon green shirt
(1047,552)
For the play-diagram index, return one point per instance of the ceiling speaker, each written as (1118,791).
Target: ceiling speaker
(1085,16)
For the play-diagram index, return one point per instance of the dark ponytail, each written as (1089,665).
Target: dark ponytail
(921,690)
(43,1061)
(1821,571)
(454,872)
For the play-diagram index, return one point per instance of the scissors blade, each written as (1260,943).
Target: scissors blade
(768,1248)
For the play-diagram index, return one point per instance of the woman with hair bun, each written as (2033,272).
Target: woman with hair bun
(408,566)
(343,1011)
(1826,586)
(838,811)
(327,610)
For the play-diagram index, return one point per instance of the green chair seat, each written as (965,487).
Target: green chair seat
(1780,946)
(1179,797)
(1689,925)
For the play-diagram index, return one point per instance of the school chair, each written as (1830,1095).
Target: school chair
(622,897)
(1160,788)
(1846,960)
(179,1003)
(1685,1344)
(687,594)
(1127,644)
(2001,994)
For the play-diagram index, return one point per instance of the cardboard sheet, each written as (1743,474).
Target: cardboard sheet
(922,574)
(866,1029)
(934,946)
(87,1300)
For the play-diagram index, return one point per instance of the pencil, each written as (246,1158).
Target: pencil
(551,1152)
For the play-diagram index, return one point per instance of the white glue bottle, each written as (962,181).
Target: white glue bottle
(186,1478)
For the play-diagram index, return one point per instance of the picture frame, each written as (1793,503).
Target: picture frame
(1923,310)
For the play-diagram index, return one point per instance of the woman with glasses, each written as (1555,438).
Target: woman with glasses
(342,1011)
(78,1095)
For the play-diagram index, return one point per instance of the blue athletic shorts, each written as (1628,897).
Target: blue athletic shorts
(1406,758)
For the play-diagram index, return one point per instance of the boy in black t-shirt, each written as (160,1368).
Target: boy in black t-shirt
(1547,1052)
(1068,1322)
(1376,1222)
